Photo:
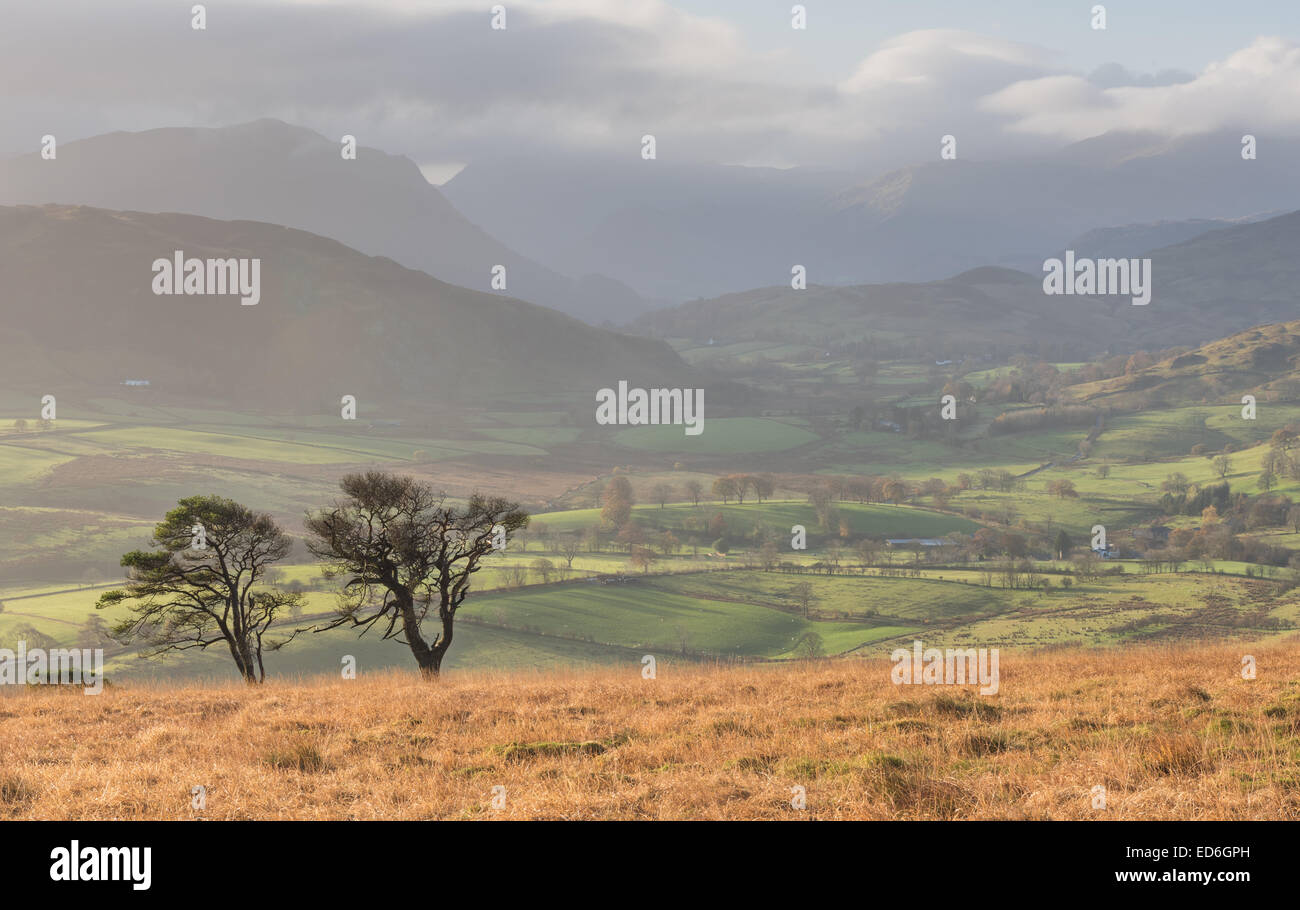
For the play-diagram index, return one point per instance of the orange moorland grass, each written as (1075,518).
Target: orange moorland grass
(1171,732)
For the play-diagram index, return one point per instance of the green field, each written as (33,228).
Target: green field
(749,614)
(870,519)
(74,497)
(721,436)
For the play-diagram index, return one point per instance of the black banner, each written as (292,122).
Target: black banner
(329,859)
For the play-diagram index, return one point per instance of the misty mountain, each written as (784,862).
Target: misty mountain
(78,313)
(1219,282)
(273,172)
(670,230)
(944,217)
(1123,240)
(683,231)
(980,311)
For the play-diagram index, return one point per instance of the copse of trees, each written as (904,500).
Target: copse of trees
(741,486)
(404,551)
(201,585)
(725,488)
(1194,502)
(1044,418)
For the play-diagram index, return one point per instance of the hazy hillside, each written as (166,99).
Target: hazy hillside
(1217,283)
(331,321)
(683,231)
(281,174)
(1133,239)
(1261,361)
(982,307)
(671,230)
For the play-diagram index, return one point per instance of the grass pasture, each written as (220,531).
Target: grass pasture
(1171,732)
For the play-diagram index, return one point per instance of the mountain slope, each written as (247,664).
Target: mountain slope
(273,172)
(1219,282)
(78,311)
(1263,361)
(1137,239)
(943,217)
(980,308)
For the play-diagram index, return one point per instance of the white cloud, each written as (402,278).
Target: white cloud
(431,80)
(1256,88)
(940,58)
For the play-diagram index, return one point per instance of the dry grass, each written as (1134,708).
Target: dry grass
(1170,733)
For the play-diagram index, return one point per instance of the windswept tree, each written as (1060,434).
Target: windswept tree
(405,551)
(204,584)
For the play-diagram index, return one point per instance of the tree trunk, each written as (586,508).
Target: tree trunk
(444,640)
(428,659)
(243,662)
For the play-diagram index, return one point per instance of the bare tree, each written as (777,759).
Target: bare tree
(724,488)
(694,489)
(803,595)
(544,568)
(661,493)
(404,551)
(569,550)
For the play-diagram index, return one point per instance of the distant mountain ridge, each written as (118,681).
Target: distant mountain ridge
(1128,240)
(273,172)
(1219,282)
(687,231)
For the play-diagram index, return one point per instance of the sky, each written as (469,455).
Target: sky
(866,86)
(1146,36)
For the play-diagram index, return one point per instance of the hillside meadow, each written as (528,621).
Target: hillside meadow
(1168,732)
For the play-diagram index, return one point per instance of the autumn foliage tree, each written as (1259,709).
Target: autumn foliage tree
(618,501)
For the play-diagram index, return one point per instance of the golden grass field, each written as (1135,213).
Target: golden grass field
(1171,733)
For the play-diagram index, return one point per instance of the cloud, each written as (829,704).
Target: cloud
(943,58)
(435,82)
(1114,75)
(1256,88)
